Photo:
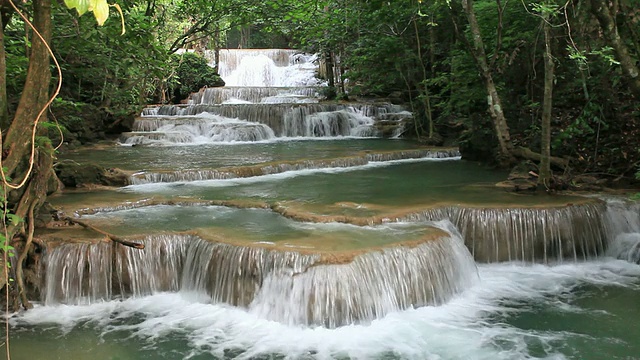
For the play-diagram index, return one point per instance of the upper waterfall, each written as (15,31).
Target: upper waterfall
(267,68)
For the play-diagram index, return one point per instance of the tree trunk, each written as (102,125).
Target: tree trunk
(4,107)
(216,50)
(493,98)
(612,37)
(545,142)
(17,143)
(426,97)
(329,71)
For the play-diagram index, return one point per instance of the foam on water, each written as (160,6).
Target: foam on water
(470,326)
(203,129)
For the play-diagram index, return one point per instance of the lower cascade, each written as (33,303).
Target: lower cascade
(294,288)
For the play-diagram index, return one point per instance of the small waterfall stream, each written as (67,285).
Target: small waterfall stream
(570,233)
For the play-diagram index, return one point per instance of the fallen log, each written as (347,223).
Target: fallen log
(526,153)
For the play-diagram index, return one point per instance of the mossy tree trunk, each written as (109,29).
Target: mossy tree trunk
(4,109)
(494,103)
(17,142)
(609,28)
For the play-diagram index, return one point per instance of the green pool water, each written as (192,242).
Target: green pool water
(258,227)
(208,156)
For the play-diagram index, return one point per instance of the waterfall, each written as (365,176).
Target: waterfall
(267,67)
(254,122)
(623,220)
(280,285)
(204,129)
(269,95)
(369,287)
(347,122)
(573,232)
(273,87)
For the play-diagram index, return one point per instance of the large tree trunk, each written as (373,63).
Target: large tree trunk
(545,141)
(16,145)
(612,36)
(493,98)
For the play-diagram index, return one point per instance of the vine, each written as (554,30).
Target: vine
(11,221)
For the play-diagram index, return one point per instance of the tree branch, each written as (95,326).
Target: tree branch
(109,236)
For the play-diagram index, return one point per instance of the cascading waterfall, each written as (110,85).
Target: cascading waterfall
(272,87)
(204,129)
(336,123)
(371,286)
(285,286)
(574,232)
(267,68)
(286,120)
(256,95)
(623,220)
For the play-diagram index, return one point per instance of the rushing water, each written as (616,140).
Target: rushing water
(278,227)
(585,310)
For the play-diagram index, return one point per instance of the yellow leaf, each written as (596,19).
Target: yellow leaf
(82,6)
(121,16)
(100,10)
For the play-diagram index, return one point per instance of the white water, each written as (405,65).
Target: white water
(206,128)
(468,327)
(258,69)
(257,104)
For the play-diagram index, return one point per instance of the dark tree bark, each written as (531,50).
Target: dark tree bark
(16,145)
(17,141)
(547,103)
(4,107)
(426,97)
(493,98)
(610,31)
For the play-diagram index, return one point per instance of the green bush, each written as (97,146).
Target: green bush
(191,73)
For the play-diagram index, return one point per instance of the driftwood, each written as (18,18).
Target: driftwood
(109,236)
(526,153)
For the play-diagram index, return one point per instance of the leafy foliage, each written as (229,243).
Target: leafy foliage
(192,72)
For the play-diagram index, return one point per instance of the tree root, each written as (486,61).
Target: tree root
(23,255)
(109,236)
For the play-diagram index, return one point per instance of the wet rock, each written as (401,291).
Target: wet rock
(523,177)
(74,174)
(518,185)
